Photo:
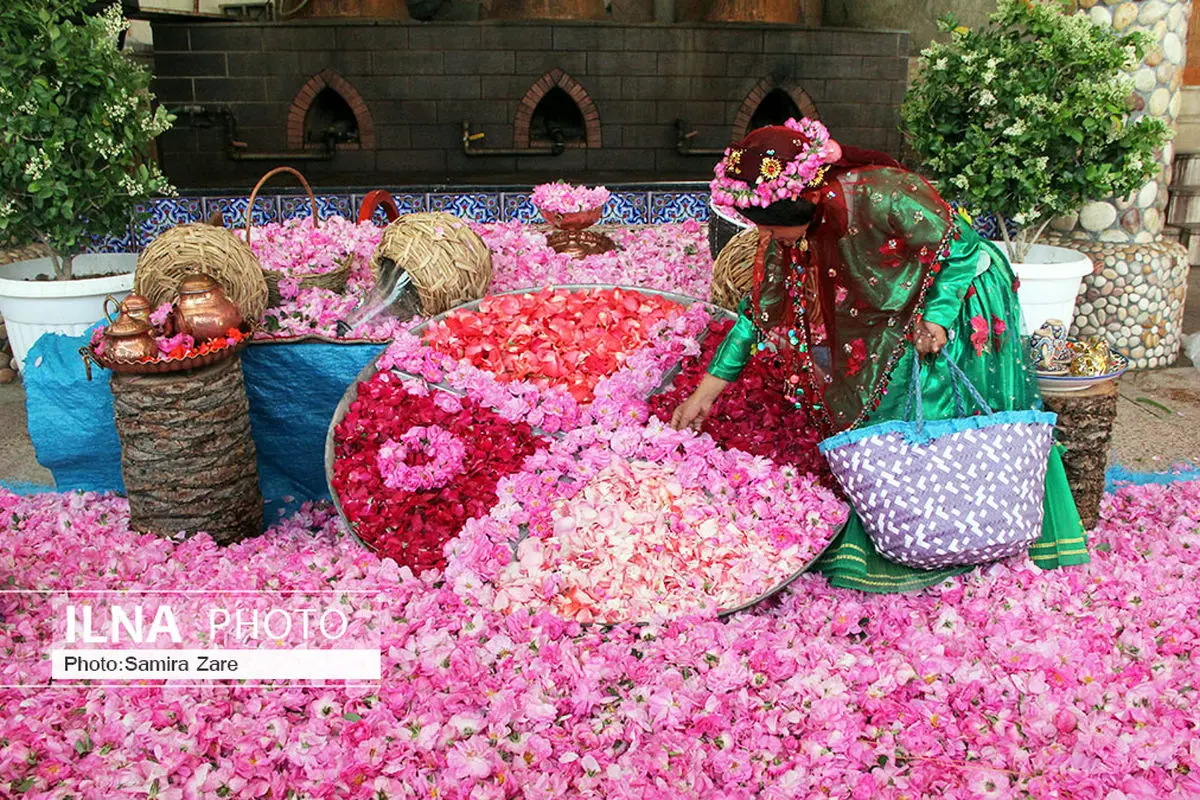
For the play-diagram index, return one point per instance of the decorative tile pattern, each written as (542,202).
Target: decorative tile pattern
(162,214)
(627,208)
(668,207)
(266,209)
(476,206)
(517,207)
(113,244)
(408,202)
(293,206)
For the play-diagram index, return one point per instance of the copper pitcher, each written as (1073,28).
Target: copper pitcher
(134,305)
(129,339)
(203,311)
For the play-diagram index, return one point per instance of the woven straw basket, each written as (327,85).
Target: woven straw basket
(447,261)
(214,251)
(733,271)
(334,280)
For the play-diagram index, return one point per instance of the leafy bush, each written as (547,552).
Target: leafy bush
(78,123)
(1029,117)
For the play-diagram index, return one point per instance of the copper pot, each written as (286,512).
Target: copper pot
(134,305)
(202,310)
(129,339)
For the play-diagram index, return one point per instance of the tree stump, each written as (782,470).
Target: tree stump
(186,452)
(1085,425)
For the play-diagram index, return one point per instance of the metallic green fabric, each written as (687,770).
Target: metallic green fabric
(736,348)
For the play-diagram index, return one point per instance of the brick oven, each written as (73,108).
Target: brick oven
(358,103)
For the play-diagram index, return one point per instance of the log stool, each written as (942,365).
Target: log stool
(186,453)
(1085,426)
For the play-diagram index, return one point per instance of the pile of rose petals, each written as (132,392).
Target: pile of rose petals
(671,257)
(752,413)
(406,520)
(1007,682)
(642,523)
(553,337)
(561,197)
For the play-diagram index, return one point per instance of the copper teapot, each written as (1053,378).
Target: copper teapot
(202,310)
(129,339)
(134,305)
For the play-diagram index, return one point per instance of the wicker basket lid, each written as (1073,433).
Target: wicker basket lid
(198,247)
(733,271)
(447,261)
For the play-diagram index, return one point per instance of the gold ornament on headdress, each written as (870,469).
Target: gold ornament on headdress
(733,162)
(770,169)
(819,178)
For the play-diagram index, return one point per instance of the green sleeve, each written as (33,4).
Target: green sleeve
(735,350)
(949,288)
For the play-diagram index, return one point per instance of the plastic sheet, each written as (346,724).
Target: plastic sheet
(293,389)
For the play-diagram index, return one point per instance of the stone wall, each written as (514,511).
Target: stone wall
(419,81)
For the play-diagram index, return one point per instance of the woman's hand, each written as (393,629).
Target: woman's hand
(929,338)
(692,412)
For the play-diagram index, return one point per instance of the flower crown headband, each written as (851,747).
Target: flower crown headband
(778,176)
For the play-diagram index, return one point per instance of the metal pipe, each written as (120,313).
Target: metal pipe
(556,149)
(683,142)
(236,150)
(304,155)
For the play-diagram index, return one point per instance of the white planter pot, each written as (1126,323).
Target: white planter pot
(31,308)
(1050,280)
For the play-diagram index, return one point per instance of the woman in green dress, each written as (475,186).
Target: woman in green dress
(862,267)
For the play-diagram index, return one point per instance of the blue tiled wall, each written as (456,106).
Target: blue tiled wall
(627,207)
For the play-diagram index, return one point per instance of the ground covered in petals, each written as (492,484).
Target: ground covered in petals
(1009,682)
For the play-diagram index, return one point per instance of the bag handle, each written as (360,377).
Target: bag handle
(914,410)
(316,214)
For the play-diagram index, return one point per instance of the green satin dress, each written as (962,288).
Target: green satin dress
(973,297)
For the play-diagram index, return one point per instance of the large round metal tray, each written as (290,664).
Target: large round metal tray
(370,369)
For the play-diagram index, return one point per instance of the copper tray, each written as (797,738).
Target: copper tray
(162,365)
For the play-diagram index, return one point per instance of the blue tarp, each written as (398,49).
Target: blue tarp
(293,390)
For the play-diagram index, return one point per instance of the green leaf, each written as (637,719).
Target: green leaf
(351,716)
(23,785)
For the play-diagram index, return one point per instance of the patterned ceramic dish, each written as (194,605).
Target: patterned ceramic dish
(1051,382)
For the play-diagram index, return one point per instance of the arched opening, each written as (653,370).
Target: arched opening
(330,118)
(772,102)
(775,109)
(329,105)
(556,105)
(557,117)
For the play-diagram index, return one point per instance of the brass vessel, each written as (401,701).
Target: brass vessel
(203,311)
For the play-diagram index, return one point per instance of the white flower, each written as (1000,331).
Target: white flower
(986,98)
(941,63)
(1016,129)
(960,181)
(37,165)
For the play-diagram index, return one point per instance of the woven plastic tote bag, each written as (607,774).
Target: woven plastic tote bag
(953,492)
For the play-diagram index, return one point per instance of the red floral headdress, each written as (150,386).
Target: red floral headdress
(780,162)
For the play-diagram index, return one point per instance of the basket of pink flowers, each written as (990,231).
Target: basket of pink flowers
(299,251)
